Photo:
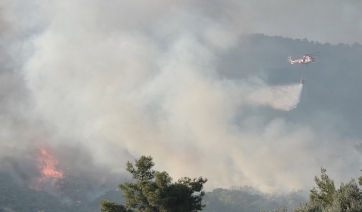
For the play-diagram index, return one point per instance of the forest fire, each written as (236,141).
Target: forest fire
(46,164)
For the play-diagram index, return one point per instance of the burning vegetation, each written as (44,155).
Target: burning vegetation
(47,167)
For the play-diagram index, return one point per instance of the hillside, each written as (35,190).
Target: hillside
(329,105)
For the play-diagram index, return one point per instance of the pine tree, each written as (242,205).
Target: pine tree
(154,191)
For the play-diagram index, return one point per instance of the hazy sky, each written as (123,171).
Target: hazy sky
(113,80)
(322,21)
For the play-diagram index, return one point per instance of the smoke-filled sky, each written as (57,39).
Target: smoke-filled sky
(107,81)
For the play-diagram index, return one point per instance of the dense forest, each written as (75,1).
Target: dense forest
(249,199)
(336,74)
(20,198)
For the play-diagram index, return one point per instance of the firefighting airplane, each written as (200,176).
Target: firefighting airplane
(307,58)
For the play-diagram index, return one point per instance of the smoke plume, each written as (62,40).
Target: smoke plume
(101,85)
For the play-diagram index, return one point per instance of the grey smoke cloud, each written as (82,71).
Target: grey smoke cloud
(118,80)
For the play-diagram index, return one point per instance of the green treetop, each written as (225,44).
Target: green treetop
(154,191)
(326,198)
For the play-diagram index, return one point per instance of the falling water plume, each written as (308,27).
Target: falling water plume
(284,97)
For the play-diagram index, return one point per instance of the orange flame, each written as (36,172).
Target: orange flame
(47,167)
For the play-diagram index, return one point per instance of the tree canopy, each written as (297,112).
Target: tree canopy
(155,191)
(326,198)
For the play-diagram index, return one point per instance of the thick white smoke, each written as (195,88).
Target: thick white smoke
(122,85)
